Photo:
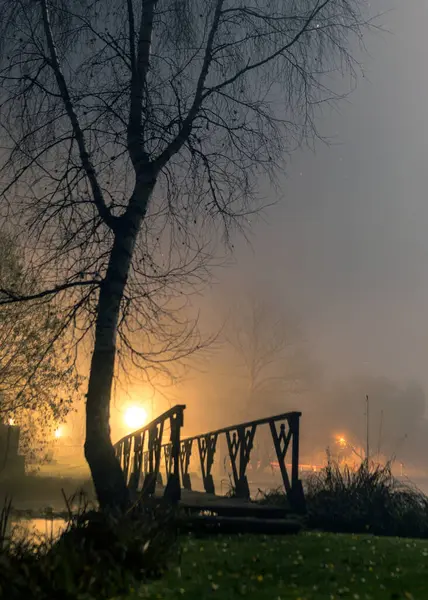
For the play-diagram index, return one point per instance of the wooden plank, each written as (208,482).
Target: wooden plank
(221,525)
(193,501)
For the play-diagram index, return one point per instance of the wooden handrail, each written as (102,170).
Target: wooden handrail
(177,409)
(264,421)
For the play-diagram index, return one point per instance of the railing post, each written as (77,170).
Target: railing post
(173,490)
(281,442)
(294,422)
(134,480)
(155,449)
(126,457)
(207,447)
(297,496)
(240,445)
(185,454)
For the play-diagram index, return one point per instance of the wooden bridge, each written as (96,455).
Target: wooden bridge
(159,446)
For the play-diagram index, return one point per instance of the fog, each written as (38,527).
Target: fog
(345,248)
(347,242)
(341,262)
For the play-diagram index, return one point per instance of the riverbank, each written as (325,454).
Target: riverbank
(35,493)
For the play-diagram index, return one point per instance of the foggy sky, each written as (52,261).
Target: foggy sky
(346,247)
(348,242)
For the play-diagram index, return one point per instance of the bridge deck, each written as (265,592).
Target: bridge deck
(195,501)
(208,513)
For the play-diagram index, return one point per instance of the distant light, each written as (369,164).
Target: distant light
(58,433)
(135,417)
(341,440)
(11,422)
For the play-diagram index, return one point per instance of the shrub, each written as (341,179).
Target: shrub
(96,557)
(273,497)
(365,499)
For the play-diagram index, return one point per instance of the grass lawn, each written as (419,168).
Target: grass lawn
(307,566)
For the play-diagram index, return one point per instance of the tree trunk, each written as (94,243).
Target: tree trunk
(110,486)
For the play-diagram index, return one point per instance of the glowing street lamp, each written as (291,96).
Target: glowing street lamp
(11,422)
(58,433)
(135,417)
(341,440)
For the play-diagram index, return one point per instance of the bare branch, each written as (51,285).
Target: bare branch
(187,123)
(251,66)
(131,34)
(13,297)
(138,81)
(104,212)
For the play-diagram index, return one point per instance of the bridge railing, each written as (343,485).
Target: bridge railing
(284,430)
(140,453)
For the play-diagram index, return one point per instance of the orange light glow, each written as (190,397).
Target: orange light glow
(341,441)
(135,417)
(58,433)
(11,422)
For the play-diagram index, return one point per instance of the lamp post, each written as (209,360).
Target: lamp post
(367,428)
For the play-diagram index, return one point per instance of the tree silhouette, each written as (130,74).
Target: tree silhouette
(270,353)
(38,379)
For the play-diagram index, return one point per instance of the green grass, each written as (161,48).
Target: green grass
(311,566)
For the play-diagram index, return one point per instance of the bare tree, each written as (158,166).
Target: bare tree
(269,352)
(271,360)
(130,130)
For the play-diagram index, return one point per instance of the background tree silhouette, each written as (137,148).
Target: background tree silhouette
(270,352)
(38,378)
